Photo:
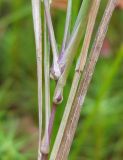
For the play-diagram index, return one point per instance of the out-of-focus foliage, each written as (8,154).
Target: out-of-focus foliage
(100,131)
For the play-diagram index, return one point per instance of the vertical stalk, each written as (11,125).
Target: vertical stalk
(55,71)
(84,83)
(36,7)
(45,141)
(67,27)
(79,69)
(77,33)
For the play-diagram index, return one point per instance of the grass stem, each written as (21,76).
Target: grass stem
(45,141)
(36,10)
(55,71)
(67,28)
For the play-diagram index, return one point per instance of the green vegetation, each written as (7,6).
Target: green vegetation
(100,131)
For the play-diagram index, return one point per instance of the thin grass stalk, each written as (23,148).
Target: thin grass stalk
(76,79)
(71,50)
(89,31)
(45,141)
(77,33)
(77,20)
(67,27)
(55,71)
(72,122)
(36,10)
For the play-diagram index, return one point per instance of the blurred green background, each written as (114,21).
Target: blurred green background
(100,131)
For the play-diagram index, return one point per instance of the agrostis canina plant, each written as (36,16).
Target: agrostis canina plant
(61,66)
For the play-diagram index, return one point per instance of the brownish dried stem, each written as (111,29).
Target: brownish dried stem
(84,84)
